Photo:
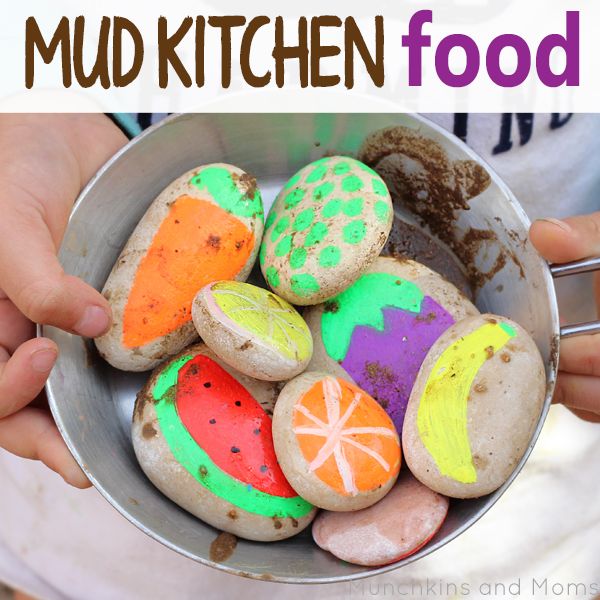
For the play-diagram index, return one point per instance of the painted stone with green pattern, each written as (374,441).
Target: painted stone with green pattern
(201,432)
(326,226)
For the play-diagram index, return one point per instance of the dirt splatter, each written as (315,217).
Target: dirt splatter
(222,547)
(140,402)
(246,345)
(249,183)
(277,523)
(489,352)
(331,306)
(148,431)
(421,176)
(379,375)
(232,514)
(428,318)
(214,241)
(408,241)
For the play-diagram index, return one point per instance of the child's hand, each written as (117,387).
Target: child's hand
(45,160)
(578,385)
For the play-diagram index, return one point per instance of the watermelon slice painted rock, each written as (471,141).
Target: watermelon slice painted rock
(202,434)
(379,330)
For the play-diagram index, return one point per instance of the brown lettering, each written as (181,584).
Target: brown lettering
(100,68)
(251,79)
(200,37)
(122,24)
(317,52)
(226,23)
(167,54)
(34,40)
(282,52)
(354,39)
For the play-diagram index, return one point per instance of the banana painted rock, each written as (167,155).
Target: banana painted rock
(474,407)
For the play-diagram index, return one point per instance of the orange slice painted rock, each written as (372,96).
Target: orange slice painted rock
(337,447)
(347,439)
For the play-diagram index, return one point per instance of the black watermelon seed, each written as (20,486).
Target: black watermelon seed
(263,468)
(207,384)
(234,449)
(212,421)
(238,403)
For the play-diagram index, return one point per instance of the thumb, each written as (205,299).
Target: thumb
(33,279)
(569,239)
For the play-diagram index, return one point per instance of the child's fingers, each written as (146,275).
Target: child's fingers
(23,375)
(15,328)
(31,433)
(579,392)
(586,416)
(33,279)
(581,355)
(570,239)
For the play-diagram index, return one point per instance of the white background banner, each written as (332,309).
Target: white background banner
(499,56)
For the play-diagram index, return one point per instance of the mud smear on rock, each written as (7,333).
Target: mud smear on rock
(408,241)
(223,547)
(422,178)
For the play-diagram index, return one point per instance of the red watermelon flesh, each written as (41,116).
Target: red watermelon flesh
(229,425)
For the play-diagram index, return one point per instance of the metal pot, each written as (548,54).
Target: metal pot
(93,404)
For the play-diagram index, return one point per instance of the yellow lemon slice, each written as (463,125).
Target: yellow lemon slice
(266,316)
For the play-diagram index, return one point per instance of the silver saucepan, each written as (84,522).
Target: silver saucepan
(93,403)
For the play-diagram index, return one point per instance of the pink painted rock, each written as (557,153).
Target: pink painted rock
(394,528)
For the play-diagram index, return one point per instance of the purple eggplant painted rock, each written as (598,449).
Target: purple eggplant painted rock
(380,329)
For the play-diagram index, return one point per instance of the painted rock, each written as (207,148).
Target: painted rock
(253,330)
(327,225)
(203,437)
(205,226)
(335,444)
(396,527)
(379,330)
(474,407)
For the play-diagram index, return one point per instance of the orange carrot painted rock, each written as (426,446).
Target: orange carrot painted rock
(336,446)
(205,226)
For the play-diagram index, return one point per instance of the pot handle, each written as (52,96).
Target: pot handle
(577,267)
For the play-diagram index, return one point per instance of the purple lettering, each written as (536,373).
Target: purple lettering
(442,59)
(415,41)
(570,44)
(523,60)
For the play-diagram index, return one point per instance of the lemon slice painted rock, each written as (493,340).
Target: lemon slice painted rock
(252,329)
(327,225)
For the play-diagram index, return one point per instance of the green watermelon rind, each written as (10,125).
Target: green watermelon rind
(192,457)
